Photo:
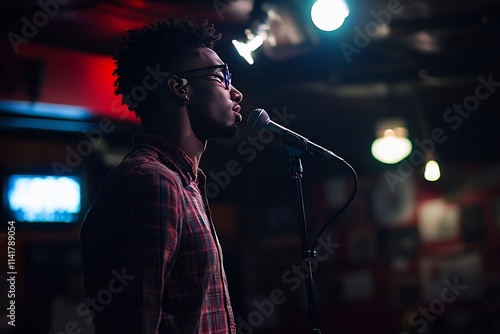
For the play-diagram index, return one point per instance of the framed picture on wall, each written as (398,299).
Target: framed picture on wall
(404,241)
(472,223)
(464,270)
(439,220)
(393,204)
(362,244)
(358,285)
(496,209)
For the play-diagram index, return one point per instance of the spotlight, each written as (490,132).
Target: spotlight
(329,15)
(245,49)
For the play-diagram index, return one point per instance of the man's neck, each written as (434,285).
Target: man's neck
(192,146)
(186,141)
(177,128)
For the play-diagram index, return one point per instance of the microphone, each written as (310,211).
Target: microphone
(259,119)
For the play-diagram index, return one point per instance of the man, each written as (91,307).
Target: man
(152,260)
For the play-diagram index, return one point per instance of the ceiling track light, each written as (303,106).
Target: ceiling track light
(256,36)
(278,30)
(245,49)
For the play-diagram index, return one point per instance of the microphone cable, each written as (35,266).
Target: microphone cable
(343,207)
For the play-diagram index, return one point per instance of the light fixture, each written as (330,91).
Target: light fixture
(255,37)
(329,15)
(392,144)
(278,30)
(432,172)
(245,49)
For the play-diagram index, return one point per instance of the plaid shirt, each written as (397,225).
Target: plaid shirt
(152,260)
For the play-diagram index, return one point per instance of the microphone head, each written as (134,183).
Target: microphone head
(257,120)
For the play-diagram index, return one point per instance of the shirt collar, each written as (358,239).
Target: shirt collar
(173,155)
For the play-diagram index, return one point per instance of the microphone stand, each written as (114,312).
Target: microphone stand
(307,254)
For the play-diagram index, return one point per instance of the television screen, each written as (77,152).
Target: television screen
(44,198)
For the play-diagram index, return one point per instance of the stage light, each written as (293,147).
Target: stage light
(432,171)
(329,15)
(279,31)
(245,49)
(392,144)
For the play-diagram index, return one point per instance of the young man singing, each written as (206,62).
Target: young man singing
(149,246)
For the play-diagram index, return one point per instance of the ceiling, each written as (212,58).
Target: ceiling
(427,58)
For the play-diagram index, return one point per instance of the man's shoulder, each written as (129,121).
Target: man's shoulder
(145,163)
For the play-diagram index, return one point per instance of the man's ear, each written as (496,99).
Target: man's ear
(183,84)
(177,86)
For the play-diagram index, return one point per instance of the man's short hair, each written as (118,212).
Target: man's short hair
(161,45)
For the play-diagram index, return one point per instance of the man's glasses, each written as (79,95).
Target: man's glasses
(225,71)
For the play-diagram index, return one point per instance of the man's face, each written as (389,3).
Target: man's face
(214,110)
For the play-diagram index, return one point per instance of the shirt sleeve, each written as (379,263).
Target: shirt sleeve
(142,219)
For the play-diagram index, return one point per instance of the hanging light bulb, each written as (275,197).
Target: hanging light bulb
(393,145)
(432,171)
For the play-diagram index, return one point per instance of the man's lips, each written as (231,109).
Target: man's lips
(239,118)
(237,109)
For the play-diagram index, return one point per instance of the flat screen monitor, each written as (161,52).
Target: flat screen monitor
(43,198)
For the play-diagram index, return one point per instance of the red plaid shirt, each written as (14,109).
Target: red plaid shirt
(152,260)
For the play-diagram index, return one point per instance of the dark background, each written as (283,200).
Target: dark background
(386,271)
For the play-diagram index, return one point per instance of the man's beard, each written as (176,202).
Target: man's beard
(219,131)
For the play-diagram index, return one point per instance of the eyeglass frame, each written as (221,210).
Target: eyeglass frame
(224,67)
